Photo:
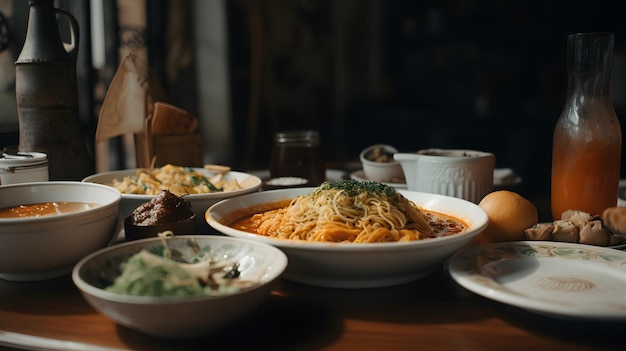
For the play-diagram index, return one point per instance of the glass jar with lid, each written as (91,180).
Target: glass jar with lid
(297,154)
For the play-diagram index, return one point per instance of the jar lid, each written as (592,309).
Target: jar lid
(309,136)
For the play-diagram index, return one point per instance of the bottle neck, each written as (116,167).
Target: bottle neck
(589,63)
(43,41)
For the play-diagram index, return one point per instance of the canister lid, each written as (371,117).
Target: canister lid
(12,161)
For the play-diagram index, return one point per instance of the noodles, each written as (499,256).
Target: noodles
(346,211)
(178,180)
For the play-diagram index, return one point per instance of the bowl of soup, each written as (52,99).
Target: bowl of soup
(46,227)
(337,236)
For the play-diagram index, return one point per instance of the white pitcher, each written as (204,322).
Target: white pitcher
(466,174)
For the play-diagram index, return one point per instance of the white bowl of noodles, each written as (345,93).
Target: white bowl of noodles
(349,264)
(245,183)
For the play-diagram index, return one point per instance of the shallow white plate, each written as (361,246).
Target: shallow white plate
(553,278)
(331,174)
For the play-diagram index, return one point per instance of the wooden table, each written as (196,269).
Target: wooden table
(430,314)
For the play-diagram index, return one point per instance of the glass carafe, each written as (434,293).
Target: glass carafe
(587,138)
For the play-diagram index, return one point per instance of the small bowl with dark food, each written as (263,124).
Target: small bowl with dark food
(165,212)
(379,165)
(179,286)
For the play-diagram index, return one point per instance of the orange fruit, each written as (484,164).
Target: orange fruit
(510,214)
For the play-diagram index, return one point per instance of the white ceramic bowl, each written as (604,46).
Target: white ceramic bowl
(181,316)
(199,202)
(357,265)
(385,172)
(37,248)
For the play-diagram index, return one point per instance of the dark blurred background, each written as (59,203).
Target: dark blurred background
(486,75)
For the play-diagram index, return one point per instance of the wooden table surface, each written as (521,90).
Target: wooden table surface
(430,314)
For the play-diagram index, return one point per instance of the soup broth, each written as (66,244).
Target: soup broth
(441,224)
(45,209)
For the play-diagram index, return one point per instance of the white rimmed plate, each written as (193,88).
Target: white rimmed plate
(553,278)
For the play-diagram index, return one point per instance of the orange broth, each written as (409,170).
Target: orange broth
(45,209)
(441,224)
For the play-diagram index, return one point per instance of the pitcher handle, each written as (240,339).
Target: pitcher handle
(72,46)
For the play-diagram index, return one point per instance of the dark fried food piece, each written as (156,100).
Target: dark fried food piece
(165,207)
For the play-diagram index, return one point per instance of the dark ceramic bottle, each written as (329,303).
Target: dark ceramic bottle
(47,96)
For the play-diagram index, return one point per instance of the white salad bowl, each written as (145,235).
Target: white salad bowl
(46,247)
(199,202)
(350,265)
(181,316)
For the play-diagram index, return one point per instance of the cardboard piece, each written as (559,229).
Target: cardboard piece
(136,103)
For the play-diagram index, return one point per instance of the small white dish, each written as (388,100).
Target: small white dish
(503,177)
(379,164)
(551,278)
(331,174)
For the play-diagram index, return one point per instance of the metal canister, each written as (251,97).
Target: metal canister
(23,167)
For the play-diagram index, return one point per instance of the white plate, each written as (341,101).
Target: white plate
(501,177)
(553,278)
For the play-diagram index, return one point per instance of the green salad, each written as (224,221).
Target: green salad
(151,274)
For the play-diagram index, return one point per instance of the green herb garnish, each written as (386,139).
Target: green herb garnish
(352,187)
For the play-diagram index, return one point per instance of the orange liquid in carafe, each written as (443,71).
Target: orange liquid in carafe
(585,177)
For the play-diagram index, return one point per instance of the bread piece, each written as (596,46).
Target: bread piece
(565,231)
(615,220)
(594,233)
(540,231)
